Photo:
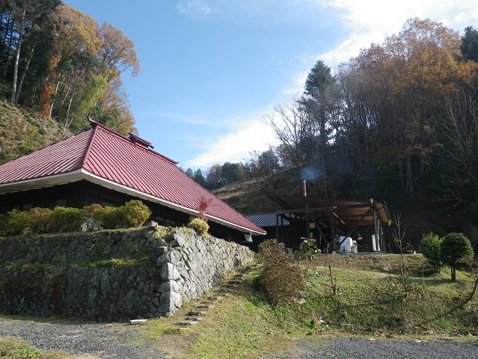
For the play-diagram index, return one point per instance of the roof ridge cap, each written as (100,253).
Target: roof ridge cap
(95,124)
(87,151)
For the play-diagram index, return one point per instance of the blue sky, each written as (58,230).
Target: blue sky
(213,70)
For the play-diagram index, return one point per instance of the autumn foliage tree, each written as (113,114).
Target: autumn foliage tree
(84,74)
(67,65)
(405,80)
(397,120)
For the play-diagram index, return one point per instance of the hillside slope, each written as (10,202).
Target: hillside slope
(251,196)
(22,131)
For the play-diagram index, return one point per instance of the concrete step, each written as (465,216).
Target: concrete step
(205,307)
(188,322)
(229,286)
(197,312)
(194,318)
(206,302)
(214,298)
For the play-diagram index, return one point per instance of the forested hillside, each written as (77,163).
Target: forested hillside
(398,122)
(64,65)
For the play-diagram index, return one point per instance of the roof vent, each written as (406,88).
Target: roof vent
(140,141)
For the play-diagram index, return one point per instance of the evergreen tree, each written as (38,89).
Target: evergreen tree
(453,248)
(320,76)
(469,45)
(199,178)
(319,103)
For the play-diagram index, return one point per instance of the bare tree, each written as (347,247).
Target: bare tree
(296,129)
(459,135)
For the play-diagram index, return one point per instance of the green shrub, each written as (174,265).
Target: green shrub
(39,219)
(308,249)
(92,215)
(199,225)
(454,248)
(111,217)
(3,224)
(16,222)
(281,278)
(430,248)
(66,219)
(135,213)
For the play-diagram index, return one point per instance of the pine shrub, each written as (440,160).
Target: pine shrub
(92,216)
(66,219)
(135,213)
(111,217)
(39,219)
(16,222)
(430,248)
(199,225)
(455,248)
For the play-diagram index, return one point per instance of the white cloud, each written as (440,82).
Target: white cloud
(297,85)
(248,135)
(372,20)
(194,7)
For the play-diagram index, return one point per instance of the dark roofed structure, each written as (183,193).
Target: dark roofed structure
(102,166)
(276,227)
(329,220)
(268,219)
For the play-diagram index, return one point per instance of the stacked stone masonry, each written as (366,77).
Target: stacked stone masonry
(104,276)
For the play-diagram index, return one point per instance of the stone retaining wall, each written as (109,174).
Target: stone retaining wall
(112,276)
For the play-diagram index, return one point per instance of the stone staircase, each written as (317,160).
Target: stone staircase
(227,287)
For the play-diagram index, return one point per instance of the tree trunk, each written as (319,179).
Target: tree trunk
(20,85)
(323,144)
(7,33)
(15,71)
(409,178)
(17,60)
(53,100)
(67,124)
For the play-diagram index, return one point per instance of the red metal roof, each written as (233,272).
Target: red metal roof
(61,157)
(115,161)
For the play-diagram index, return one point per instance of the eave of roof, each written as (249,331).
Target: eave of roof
(81,174)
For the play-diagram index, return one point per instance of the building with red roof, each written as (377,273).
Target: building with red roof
(102,166)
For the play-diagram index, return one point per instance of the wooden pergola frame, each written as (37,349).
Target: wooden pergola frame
(332,213)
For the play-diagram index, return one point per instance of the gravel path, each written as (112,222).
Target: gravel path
(115,340)
(362,348)
(82,339)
